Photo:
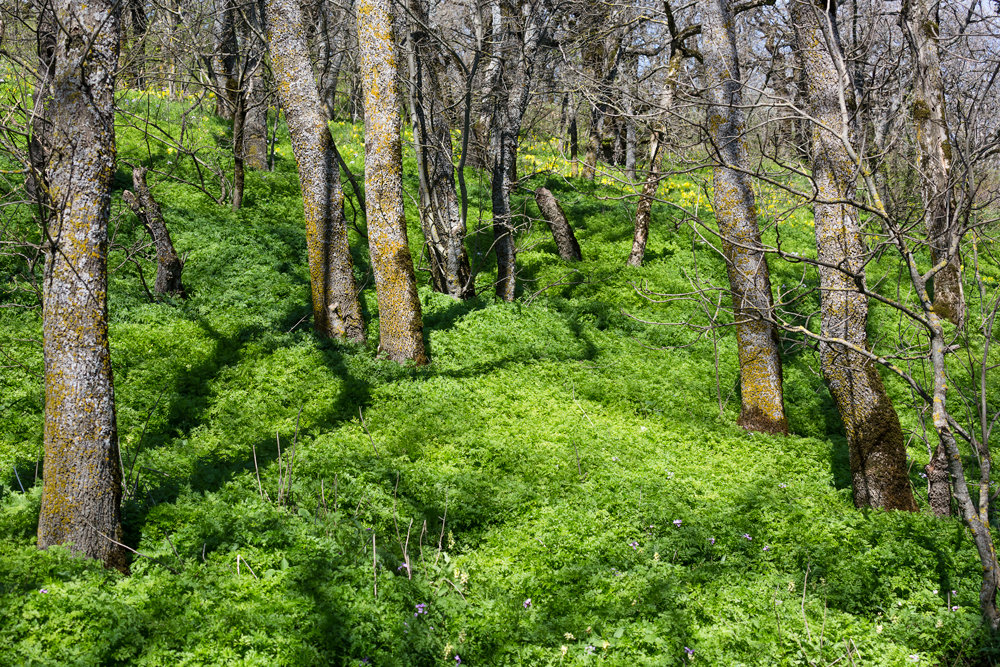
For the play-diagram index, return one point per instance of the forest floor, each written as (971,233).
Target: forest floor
(563,485)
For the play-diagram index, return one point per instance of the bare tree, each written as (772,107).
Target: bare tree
(81,496)
(400,324)
(336,309)
(736,213)
(440,215)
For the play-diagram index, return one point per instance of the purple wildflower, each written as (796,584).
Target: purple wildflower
(678,522)
(458,660)
(421,609)
(689,651)
(527,603)
(767,548)
(43,590)
(634,544)
(589,650)
(711,540)
(746,536)
(782,486)
(955,608)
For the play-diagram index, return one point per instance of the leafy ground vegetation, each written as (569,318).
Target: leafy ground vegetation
(563,485)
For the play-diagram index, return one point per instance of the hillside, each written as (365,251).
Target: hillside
(563,484)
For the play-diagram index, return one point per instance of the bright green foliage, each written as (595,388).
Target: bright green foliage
(562,448)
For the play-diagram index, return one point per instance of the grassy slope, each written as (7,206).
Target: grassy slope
(563,449)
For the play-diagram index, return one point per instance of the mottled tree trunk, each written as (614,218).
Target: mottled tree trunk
(226,56)
(569,249)
(516,38)
(643,209)
(336,310)
(255,124)
(400,324)
(168,264)
(920,23)
(763,407)
(81,497)
(874,437)
(440,214)
(939,482)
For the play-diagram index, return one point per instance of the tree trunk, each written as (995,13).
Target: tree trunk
(81,497)
(938,482)
(643,209)
(920,25)
(563,234)
(253,90)
(874,437)
(511,71)
(440,214)
(168,264)
(135,59)
(336,310)
(226,55)
(763,407)
(400,324)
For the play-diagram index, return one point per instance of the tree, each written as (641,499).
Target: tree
(81,496)
(440,216)
(516,30)
(736,213)
(336,309)
(400,323)
(874,436)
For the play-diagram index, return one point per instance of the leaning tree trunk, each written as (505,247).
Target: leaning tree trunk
(168,264)
(763,407)
(643,209)
(81,497)
(336,310)
(562,233)
(874,437)
(440,214)
(920,22)
(400,324)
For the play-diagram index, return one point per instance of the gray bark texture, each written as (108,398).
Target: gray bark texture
(400,323)
(515,38)
(569,249)
(920,25)
(644,208)
(440,213)
(874,437)
(168,264)
(763,407)
(336,310)
(81,496)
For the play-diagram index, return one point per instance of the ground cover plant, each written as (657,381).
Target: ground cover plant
(564,484)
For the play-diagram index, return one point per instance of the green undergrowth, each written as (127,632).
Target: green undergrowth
(564,484)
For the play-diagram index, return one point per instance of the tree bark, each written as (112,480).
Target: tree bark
(643,209)
(336,310)
(874,437)
(569,249)
(81,496)
(509,72)
(168,264)
(763,407)
(920,25)
(400,323)
(440,214)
